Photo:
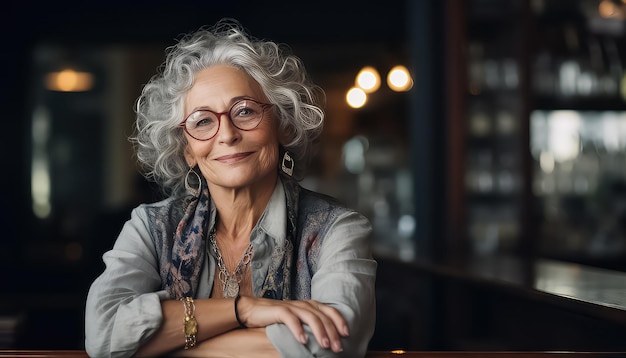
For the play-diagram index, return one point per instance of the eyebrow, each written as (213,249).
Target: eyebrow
(230,104)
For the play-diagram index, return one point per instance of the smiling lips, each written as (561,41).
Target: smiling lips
(233,158)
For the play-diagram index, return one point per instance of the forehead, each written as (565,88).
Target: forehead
(216,87)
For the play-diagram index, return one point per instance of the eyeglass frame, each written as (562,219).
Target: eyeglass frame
(219,115)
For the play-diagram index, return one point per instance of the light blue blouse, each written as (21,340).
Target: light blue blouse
(130,286)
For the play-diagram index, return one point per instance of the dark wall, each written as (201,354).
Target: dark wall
(48,298)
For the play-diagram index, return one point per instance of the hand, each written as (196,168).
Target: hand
(326,323)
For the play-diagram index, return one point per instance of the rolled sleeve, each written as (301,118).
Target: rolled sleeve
(345,279)
(123,307)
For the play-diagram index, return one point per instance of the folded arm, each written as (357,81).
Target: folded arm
(345,281)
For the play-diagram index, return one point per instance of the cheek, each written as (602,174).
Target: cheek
(270,159)
(197,150)
(190,156)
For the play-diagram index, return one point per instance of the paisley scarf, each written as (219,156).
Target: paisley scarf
(181,262)
(183,251)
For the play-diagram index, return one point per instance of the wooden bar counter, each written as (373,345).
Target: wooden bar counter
(373,354)
(499,303)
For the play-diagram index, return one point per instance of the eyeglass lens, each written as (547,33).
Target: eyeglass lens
(245,115)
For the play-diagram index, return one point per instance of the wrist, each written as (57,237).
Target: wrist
(236,302)
(190,325)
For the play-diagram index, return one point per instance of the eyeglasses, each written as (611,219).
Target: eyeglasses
(245,114)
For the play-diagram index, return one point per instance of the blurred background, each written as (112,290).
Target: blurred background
(494,174)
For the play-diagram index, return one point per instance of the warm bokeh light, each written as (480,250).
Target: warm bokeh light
(356,97)
(399,79)
(368,79)
(609,9)
(69,80)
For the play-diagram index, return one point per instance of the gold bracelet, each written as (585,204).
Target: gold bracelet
(190,325)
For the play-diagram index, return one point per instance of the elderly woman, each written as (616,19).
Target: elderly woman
(239,260)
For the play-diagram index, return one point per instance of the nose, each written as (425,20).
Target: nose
(226,132)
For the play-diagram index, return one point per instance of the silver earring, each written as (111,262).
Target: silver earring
(194,191)
(287,164)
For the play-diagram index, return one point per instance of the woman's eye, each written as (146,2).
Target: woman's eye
(202,121)
(243,112)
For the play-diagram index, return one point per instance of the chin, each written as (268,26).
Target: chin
(240,181)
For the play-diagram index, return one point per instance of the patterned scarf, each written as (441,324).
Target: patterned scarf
(183,251)
(182,261)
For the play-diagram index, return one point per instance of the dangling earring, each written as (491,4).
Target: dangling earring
(287,164)
(193,191)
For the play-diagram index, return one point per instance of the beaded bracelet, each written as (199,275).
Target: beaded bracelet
(190,325)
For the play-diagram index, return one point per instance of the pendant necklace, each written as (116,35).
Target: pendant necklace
(230,282)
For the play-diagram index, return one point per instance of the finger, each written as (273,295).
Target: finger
(295,326)
(338,320)
(321,325)
(330,327)
(266,312)
(297,313)
(314,319)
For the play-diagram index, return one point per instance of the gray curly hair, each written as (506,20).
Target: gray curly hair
(298,103)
